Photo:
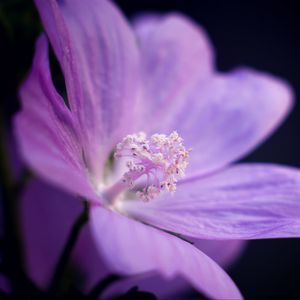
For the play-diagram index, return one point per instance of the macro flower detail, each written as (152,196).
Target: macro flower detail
(134,95)
(161,159)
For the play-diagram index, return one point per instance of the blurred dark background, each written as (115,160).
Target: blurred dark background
(262,34)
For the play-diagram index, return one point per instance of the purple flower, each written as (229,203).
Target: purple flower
(132,95)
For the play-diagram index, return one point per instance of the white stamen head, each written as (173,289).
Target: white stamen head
(161,159)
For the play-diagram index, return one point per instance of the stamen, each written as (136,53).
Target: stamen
(162,159)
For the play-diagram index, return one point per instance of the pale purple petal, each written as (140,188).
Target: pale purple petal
(243,202)
(225,118)
(47,216)
(46,130)
(223,252)
(176,53)
(221,116)
(100,62)
(93,268)
(88,260)
(131,248)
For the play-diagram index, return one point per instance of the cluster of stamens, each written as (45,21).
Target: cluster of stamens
(160,160)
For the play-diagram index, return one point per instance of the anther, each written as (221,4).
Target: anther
(161,158)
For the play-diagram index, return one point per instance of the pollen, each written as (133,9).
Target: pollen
(154,165)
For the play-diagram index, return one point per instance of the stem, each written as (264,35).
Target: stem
(102,285)
(65,256)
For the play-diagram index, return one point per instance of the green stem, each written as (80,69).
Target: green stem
(65,256)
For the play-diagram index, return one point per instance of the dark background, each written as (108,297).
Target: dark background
(261,34)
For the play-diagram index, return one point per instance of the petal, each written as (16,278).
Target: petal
(100,61)
(46,130)
(243,202)
(176,52)
(88,261)
(217,114)
(131,247)
(47,216)
(225,253)
(225,118)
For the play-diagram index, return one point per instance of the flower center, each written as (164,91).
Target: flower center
(153,165)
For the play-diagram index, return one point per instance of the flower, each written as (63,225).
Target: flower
(138,99)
